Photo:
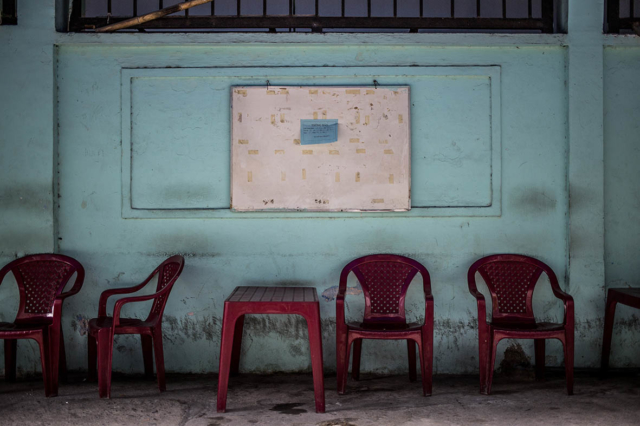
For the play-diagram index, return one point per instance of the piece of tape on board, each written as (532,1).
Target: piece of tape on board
(314,132)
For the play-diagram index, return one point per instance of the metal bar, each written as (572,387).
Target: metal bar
(421,8)
(290,7)
(529,9)
(369,8)
(453,8)
(547,16)
(478,8)
(632,6)
(109,7)
(213,8)
(264,7)
(160,4)
(317,7)
(504,9)
(239,6)
(342,5)
(395,8)
(234,22)
(135,7)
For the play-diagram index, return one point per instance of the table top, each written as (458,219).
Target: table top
(273,294)
(634,292)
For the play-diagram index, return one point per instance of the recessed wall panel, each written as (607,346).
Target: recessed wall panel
(178,160)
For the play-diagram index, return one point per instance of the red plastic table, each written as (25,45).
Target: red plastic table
(626,296)
(268,300)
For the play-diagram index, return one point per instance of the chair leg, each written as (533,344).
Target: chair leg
(226,351)
(54,358)
(105,355)
(315,348)
(43,344)
(92,352)
(355,363)
(411,349)
(237,346)
(568,359)
(159,353)
(10,352)
(426,361)
(609,317)
(539,345)
(492,361)
(63,373)
(484,348)
(342,359)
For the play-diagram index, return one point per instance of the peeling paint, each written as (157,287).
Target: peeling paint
(80,324)
(331,293)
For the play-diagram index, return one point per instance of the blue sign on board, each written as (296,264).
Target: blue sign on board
(318,131)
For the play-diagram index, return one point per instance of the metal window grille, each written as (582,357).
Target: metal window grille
(8,12)
(623,16)
(325,15)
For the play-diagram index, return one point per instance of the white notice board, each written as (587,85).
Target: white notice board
(366,169)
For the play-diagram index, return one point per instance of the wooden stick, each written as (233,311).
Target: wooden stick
(151,16)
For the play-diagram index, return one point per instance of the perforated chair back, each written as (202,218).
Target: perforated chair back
(168,273)
(385,279)
(41,278)
(511,280)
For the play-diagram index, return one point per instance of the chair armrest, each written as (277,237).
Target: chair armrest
(57,311)
(102,306)
(482,306)
(568,304)
(121,302)
(74,290)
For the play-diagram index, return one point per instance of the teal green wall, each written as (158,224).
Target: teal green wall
(66,115)
(622,190)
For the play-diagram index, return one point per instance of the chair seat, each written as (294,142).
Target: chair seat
(19,329)
(523,328)
(126,324)
(378,330)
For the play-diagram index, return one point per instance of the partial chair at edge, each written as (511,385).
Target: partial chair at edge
(511,280)
(41,279)
(385,279)
(103,328)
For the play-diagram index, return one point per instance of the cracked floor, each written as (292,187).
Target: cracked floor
(287,399)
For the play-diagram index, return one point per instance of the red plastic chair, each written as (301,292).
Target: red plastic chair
(41,279)
(385,279)
(103,328)
(511,280)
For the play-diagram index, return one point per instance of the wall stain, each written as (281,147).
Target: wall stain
(331,293)
(80,324)
(515,361)
(532,201)
(194,328)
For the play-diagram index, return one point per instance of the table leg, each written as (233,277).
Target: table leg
(237,346)
(609,316)
(315,347)
(226,352)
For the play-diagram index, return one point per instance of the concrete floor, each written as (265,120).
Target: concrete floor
(288,400)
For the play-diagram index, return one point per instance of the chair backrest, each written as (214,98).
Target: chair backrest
(511,280)
(168,273)
(41,278)
(385,279)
